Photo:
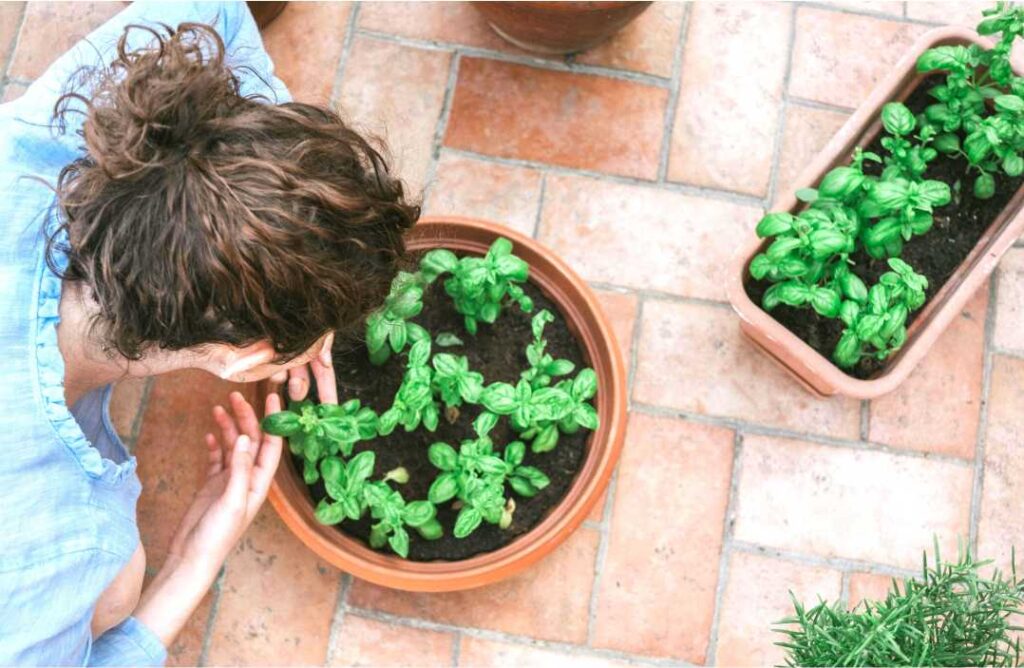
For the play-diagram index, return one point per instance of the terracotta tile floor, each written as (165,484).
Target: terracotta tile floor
(643,162)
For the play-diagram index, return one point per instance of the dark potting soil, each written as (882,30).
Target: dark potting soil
(936,254)
(499,353)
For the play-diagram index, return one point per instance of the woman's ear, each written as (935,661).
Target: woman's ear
(236,364)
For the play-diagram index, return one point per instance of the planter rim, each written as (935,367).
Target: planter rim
(813,370)
(586,319)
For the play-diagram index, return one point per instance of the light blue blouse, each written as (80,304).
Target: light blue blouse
(68,487)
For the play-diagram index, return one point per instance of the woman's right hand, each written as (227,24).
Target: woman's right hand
(241,466)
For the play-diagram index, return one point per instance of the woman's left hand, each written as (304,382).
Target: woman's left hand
(321,367)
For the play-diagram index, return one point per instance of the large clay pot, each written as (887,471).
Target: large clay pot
(815,372)
(290,496)
(558,27)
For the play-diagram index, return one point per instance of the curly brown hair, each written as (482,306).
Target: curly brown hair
(198,215)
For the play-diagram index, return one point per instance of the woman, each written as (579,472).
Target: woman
(183,215)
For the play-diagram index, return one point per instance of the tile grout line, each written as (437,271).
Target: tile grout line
(599,562)
(675,83)
(834,563)
(537,62)
(140,414)
(561,647)
(441,127)
(780,119)
(346,48)
(978,484)
(658,295)
(724,559)
(5,80)
(211,618)
(898,18)
(338,618)
(865,420)
(534,234)
(456,648)
(796,100)
(844,589)
(753,428)
(668,186)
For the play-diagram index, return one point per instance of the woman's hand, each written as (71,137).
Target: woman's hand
(240,468)
(321,367)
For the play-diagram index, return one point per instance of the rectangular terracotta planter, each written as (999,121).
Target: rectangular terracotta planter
(814,371)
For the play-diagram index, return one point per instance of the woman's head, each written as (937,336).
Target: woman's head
(201,217)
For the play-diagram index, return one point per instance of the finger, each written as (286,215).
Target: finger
(228,428)
(246,416)
(326,384)
(326,356)
(237,490)
(266,463)
(298,383)
(279,378)
(215,456)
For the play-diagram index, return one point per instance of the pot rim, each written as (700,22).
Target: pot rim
(579,305)
(812,369)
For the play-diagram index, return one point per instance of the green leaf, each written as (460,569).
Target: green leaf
(841,182)
(419,353)
(446,364)
(584,386)
(399,542)
(447,339)
(283,423)
(376,331)
(977,147)
(466,523)
(332,469)
(1009,104)
(947,143)
(936,193)
(514,453)
(808,195)
(484,423)
(444,488)
(826,302)
(361,466)
(388,421)
(775,224)
(443,456)
(546,440)
(500,248)
(512,268)
(522,486)
(536,477)
(438,261)
(826,243)
(329,513)
(890,194)
(943,58)
(1013,165)
(431,530)
(418,513)
(848,350)
(853,287)
(560,368)
(586,416)
(499,398)
(984,186)
(397,336)
(897,119)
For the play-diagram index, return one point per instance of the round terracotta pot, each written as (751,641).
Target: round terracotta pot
(265,11)
(558,27)
(290,496)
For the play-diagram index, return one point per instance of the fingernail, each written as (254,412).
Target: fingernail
(295,388)
(242,444)
(325,352)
